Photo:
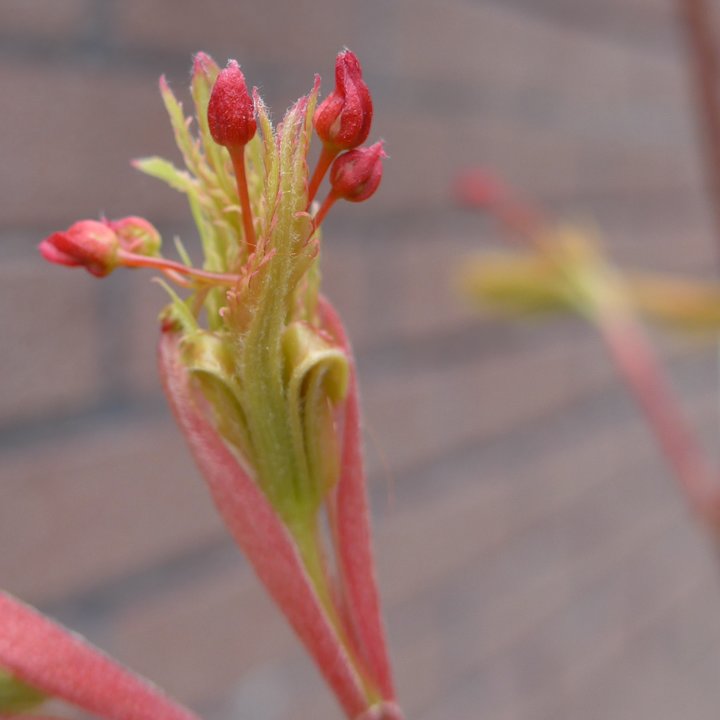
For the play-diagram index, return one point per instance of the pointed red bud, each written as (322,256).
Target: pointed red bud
(356,175)
(88,243)
(137,235)
(231,113)
(343,119)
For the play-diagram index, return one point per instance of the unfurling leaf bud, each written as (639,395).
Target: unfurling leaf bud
(231,113)
(356,175)
(343,119)
(88,243)
(137,235)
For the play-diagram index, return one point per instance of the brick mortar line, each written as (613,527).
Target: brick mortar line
(100,39)
(594,404)
(94,605)
(140,59)
(402,219)
(463,344)
(372,361)
(107,412)
(473,666)
(604,38)
(595,669)
(375,359)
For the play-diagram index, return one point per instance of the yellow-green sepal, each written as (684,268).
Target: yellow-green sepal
(317,376)
(209,359)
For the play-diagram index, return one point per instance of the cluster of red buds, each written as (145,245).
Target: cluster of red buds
(101,246)
(260,377)
(342,121)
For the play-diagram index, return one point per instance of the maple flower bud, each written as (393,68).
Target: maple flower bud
(343,119)
(231,113)
(88,243)
(356,175)
(137,235)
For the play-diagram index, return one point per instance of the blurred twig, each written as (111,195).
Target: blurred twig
(581,280)
(702,48)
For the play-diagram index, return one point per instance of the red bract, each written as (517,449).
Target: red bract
(231,113)
(343,119)
(62,665)
(350,519)
(273,553)
(88,243)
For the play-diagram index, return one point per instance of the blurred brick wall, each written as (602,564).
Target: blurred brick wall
(516,585)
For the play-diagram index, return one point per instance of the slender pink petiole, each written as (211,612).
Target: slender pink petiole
(237,155)
(324,161)
(636,364)
(130,259)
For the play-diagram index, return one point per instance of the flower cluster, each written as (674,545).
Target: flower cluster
(257,369)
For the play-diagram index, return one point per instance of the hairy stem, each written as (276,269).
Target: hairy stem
(324,161)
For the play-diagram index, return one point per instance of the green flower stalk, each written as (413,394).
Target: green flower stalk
(254,359)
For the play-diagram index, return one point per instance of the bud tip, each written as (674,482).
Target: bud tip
(231,112)
(343,119)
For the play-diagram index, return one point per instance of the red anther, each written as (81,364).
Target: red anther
(231,112)
(343,119)
(356,175)
(88,243)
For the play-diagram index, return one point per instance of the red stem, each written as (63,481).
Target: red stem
(324,209)
(132,260)
(324,161)
(237,155)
